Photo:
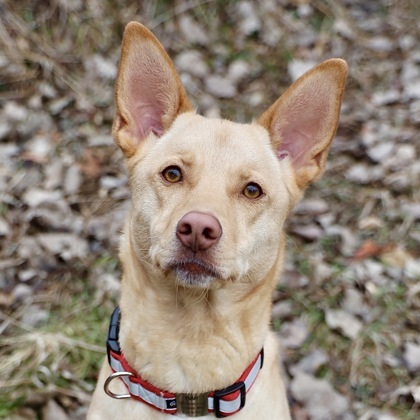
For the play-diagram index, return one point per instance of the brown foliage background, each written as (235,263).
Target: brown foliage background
(347,308)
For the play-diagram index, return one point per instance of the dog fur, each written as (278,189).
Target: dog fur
(196,312)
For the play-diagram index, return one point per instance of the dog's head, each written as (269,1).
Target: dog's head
(209,196)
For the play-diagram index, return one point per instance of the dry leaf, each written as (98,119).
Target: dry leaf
(369,249)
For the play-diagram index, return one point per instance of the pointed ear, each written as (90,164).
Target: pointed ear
(149,94)
(303,121)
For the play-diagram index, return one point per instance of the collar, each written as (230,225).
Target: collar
(222,403)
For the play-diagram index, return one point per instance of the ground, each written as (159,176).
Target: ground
(347,308)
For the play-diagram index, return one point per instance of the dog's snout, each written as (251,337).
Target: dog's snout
(198,231)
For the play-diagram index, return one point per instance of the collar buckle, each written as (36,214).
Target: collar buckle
(228,392)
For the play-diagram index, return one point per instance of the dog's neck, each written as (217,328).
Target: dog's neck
(189,340)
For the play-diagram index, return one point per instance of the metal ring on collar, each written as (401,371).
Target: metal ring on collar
(108,381)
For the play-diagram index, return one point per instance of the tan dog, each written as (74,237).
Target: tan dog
(203,247)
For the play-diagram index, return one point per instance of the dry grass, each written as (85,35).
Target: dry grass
(60,358)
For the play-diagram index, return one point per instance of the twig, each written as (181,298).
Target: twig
(178,10)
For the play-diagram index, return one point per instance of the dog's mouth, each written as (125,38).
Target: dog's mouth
(194,272)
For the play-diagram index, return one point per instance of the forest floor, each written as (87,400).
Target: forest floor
(347,308)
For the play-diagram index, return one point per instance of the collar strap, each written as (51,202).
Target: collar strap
(222,403)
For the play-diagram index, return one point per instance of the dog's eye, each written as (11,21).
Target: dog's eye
(172,174)
(252,191)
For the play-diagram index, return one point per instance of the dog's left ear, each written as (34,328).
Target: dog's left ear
(303,121)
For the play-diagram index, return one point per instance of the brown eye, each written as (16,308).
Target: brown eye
(172,174)
(252,191)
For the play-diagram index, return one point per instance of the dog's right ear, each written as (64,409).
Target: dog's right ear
(149,93)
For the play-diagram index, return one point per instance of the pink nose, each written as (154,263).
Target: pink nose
(198,231)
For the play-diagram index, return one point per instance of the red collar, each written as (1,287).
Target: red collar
(222,403)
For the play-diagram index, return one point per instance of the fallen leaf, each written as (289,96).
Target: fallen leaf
(293,334)
(91,164)
(311,232)
(396,257)
(6,299)
(369,249)
(67,245)
(412,356)
(53,411)
(310,363)
(320,399)
(344,322)
(408,390)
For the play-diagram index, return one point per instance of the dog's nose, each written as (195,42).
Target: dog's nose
(198,231)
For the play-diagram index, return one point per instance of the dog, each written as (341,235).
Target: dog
(203,247)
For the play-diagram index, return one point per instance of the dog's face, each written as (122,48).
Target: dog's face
(215,175)
(209,196)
